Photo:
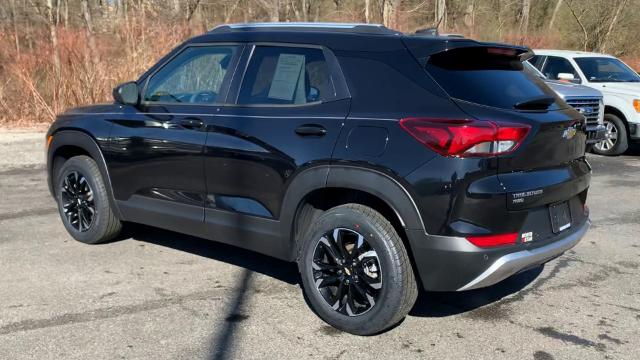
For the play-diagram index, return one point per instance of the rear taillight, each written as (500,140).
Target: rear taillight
(466,137)
(493,240)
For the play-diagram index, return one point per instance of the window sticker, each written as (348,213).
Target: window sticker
(285,80)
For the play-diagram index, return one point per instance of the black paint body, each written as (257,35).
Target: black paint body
(242,176)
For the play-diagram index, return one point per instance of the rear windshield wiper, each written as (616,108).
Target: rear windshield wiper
(537,103)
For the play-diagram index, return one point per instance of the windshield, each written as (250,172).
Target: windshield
(606,70)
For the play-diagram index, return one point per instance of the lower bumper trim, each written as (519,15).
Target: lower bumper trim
(510,264)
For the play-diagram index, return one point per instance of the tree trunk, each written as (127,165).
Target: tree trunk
(470,16)
(53,34)
(88,23)
(274,14)
(389,12)
(614,21)
(305,10)
(14,22)
(441,14)
(524,16)
(554,15)
(367,11)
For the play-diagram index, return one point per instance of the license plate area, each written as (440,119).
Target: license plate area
(560,217)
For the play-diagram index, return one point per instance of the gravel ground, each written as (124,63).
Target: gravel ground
(161,295)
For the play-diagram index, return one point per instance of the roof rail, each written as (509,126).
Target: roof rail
(343,27)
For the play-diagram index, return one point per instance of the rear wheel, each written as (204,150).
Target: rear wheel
(83,202)
(615,142)
(356,271)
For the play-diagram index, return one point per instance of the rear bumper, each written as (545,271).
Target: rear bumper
(448,263)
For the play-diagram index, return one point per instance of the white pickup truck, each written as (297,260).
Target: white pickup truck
(588,102)
(619,84)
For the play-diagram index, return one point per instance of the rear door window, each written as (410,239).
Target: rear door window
(481,76)
(283,75)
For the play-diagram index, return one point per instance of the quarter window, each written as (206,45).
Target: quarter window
(196,76)
(286,76)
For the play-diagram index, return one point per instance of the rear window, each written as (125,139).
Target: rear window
(477,76)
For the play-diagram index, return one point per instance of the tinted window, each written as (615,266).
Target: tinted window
(556,65)
(194,76)
(286,76)
(475,75)
(606,70)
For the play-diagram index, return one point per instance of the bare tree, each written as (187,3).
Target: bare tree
(53,34)
(621,5)
(91,40)
(524,16)
(441,14)
(367,11)
(14,23)
(577,18)
(554,15)
(470,15)
(389,12)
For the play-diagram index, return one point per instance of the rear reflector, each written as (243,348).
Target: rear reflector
(464,138)
(493,240)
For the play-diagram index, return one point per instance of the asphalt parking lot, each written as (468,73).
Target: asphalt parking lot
(161,295)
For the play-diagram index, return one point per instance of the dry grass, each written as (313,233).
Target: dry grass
(31,95)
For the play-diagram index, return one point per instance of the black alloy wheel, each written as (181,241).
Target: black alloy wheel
(83,201)
(347,271)
(77,201)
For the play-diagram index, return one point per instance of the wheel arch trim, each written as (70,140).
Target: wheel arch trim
(374,182)
(82,140)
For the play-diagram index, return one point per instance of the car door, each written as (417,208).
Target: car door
(289,104)
(156,151)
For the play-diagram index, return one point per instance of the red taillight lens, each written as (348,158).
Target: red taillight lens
(466,137)
(493,240)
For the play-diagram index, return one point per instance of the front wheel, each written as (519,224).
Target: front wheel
(615,142)
(83,202)
(356,271)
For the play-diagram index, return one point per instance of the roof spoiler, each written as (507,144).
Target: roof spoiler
(424,47)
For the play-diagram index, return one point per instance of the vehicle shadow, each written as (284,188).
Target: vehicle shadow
(429,304)
(249,260)
(441,304)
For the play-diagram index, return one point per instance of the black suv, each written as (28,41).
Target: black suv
(378,161)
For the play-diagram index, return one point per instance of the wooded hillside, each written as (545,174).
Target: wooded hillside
(55,54)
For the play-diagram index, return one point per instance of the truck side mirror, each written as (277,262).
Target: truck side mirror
(567,77)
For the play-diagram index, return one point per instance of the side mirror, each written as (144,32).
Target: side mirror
(127,93)
(566,77)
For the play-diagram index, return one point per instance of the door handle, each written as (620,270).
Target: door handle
(311,130)
(191,123)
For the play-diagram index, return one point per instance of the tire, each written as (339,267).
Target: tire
(382,269)
(85,201)
(617,141)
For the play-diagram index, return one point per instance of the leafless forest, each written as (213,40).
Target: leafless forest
(55,54)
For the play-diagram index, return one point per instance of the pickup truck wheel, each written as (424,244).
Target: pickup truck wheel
(356,271)
(83,202)
(616,141)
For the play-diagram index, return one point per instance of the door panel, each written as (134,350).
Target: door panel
(156,168)
(156,157)
(251,154)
